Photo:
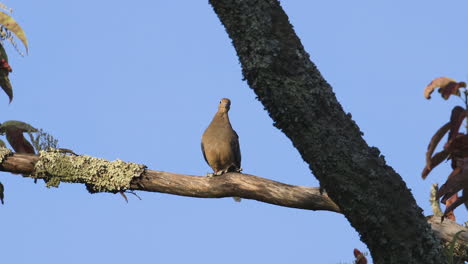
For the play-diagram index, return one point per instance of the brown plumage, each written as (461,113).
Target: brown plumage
(220,143)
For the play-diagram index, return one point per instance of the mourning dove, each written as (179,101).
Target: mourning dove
(220,143)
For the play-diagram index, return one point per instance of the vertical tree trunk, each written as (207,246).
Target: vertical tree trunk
(372,196)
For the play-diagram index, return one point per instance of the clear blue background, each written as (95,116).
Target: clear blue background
(141,80)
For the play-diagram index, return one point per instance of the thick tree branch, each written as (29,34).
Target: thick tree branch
(235,184)
(446,231)
(228,185)
(372,196)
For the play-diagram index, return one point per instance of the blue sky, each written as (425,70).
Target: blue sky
(140,81)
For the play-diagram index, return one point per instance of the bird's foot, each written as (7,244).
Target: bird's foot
(210,175)
(221,172)
(239,170)
(322,190)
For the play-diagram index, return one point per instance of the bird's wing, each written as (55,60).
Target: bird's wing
(203,151)
(236,148)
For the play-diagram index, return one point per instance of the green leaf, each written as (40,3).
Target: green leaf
(452,246)
(24,127)
(5,69)
(14,133)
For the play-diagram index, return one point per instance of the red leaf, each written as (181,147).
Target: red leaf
(458,146)
(451,88)
(447,87)
(457,180)
(456,203)
(360,258)
(456,119)
(451,186)
(449,214)
(434,161)
(4,65)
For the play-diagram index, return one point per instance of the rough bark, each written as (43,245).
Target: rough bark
(373,197)
(226,185)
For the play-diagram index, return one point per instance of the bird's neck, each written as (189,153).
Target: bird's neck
(223,115)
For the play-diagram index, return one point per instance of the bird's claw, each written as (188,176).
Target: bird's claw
(322,190)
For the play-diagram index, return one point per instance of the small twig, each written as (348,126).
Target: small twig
(130,192)
(134,193)
(124,196)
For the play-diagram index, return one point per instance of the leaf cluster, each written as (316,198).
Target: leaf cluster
(8,29)
(455,148)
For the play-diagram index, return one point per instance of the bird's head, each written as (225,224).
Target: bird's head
(224,105)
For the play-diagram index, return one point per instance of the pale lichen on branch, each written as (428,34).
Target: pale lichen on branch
(99,175)
(4,153)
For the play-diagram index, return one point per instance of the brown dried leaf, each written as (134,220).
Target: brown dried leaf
(450,214)
(451,88)
(447,86)
(432,146)
(11,25)
(456,119)
(425,172)
(436,139)
(458,146)
(451,186)
(455,204)
(434,161)
(457,180)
